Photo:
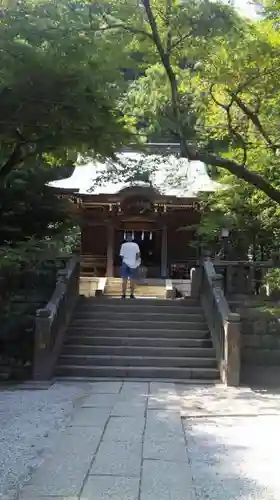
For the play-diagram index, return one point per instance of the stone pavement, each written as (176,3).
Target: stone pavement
(159,441)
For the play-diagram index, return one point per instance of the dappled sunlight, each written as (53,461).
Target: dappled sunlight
(227,401)
(212,400)
(236,457)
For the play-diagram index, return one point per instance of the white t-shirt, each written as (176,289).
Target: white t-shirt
(129,251)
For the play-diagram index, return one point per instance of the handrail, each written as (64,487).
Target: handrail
(223,324)
(244,277)
(52,321)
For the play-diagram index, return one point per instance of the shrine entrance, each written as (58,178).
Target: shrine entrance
(150,247)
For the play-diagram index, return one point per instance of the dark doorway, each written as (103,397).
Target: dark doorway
(149,244)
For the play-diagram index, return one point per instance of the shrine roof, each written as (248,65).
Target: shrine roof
(168,176)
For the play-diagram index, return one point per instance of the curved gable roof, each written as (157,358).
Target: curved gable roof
(170,176)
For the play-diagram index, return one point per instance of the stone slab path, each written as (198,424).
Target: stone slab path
(162,441)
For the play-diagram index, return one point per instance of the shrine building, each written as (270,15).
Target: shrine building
(161,210)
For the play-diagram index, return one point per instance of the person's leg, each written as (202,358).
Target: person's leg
(124,286)
(124,276)
(132,282)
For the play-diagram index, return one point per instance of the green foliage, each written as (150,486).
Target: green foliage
(272,280)
(58,87)
(210,82)
(189,32)
(35,224)
(29,208)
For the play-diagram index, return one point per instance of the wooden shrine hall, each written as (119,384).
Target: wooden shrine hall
(161,217)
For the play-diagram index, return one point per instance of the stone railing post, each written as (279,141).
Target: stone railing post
(51,321)
(231,369)
(196,282)
(41,343)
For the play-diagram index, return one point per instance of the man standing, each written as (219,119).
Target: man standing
(131,260)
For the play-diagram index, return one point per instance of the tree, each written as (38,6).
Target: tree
(252,221)
(58,87)
(30,208)
(202,61)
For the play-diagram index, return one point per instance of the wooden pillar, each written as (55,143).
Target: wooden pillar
(110,251)
(164,252)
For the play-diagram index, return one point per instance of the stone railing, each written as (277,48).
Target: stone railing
(223,324)
(244,277)
(52,320)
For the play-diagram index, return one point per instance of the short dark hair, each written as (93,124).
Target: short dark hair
(129,236)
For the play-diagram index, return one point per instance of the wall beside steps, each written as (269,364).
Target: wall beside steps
(183,286)
(88,286)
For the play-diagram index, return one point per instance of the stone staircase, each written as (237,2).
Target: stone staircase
(148,288)
(151,338)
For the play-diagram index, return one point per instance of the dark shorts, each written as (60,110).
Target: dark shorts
(128,272)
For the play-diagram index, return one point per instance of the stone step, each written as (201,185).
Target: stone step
(139,316)
(137,302)
(140,283)
(139,295)
(156,361)
(87,331)
(154,342)
(148,372)
(130,350)
(144,324)
(138,286)
(140,306)
(142,289)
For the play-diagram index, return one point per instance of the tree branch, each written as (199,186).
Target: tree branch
(14,158)
(165,60)
(168,27)
(181,39)
(257,76)
(239,171)
(236,169)
(232,130)
(253,117)
(121,25)
(237,135)
(215,100)
(11,162)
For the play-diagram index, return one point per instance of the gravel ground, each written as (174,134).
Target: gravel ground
(29,423)
(231,434)
(232,441)
(236,458)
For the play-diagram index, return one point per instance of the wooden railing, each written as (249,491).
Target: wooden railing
(223,324)
(93,265)
(52,320)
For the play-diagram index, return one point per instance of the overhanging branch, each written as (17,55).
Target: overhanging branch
(232,130)
(125,27)
(165,60)
(254,118)
(239,171)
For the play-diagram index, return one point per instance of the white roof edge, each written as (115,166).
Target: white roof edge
(197,178)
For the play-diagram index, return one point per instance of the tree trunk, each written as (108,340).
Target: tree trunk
(231,166)
(13,160)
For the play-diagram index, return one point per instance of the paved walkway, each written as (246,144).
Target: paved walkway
(157,441)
